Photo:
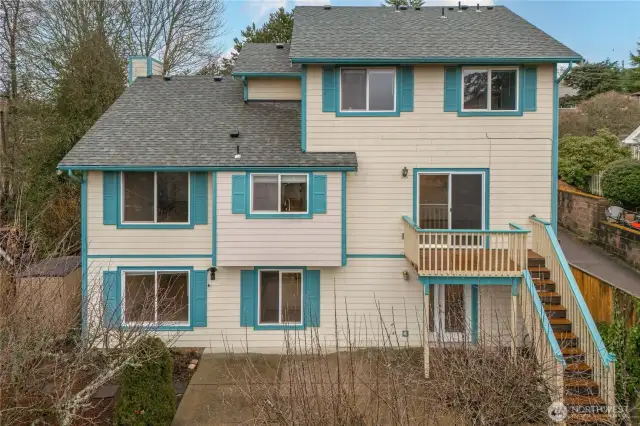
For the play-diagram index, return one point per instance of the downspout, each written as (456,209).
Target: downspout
(245,89)
(554,143)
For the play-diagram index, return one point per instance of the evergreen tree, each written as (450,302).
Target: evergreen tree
(635,59)
(592,78)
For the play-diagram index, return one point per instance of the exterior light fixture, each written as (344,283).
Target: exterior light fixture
(405,172)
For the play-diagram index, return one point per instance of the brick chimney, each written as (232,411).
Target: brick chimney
(143,66)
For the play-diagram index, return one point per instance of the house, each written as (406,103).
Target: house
(382,169)
(633,142)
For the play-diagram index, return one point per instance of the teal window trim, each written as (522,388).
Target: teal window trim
(489,113)
(119,168)
(127,225)
(276,215)
(267,74)
(245,89)
(256,297)
(486,188)
(303,109)
(394,113)
(435,60)
(121,284)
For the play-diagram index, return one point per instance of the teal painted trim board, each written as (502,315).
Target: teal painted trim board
(554,152)
(376,256)
(83,249)
(303,109)
(343,219)
(149,256)
(130,72)
(428,280)
(214,218)
(339,113)
(307,215)
(546,325)
(577,294)
(245,89)
(434,60)
(464,231)
(517,113)
(268,74)
(206,169)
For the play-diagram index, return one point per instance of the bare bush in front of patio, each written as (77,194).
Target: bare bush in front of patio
(343,383)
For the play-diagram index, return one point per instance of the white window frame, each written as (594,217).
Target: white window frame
(155,273)
(395,90)
(489,70)
(155,202)
(280,272)
(279,211)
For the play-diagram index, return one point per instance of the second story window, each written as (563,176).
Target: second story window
(493,89)
(279,193)
(155,197)
(367,89)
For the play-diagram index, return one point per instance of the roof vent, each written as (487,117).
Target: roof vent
(217,78)
(237,156)
(489,7)
(403,7)
(443,16)
(279,46)
(459,6)
(234,134)
(465,7)
(167,76)
(417,8)
(451,8)
(478,7)
(327,7)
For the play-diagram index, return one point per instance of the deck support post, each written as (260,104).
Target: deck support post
(514,326)
(425,331)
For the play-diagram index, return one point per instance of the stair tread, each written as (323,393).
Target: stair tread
(543,281)
(533,255)
(580,419)
(578,366)
(559,321)
(550,307)
(548,294)
(538,269)
(578,382)
(569,351)
(583,400)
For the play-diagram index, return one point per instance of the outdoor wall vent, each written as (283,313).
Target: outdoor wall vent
(217,78)
(327,7)
(279,46)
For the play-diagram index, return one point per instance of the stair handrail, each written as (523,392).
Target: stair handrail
(546,325)
(607,357)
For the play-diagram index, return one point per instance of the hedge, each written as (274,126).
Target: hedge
(146,393)
(621,183)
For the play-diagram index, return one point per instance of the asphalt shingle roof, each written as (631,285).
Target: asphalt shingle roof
(265,58)
(384,33)
(187,122)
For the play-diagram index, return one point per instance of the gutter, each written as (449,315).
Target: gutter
(564,74)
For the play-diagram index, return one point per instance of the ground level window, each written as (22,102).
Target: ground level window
(279,193)
(156,297)
(280,297)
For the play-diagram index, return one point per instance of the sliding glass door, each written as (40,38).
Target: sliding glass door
(449,313)
(451,201)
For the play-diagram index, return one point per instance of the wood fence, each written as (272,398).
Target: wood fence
(601,297)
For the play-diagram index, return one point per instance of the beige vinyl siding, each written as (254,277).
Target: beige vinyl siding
(138,68)
(277,89)
(517,150)
(279,242)
(109,240)
(355,297)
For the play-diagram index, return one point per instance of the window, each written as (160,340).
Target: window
(494,89)
(156,297)
(279,193)
(280,297)
(155,197)
(371,89)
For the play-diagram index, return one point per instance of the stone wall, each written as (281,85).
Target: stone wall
(584,215)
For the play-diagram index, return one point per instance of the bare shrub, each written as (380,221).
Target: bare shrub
(339,383)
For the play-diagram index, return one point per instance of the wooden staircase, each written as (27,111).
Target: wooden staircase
(581,393)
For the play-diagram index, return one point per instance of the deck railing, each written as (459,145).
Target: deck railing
(545,243)
(466,252)
(544,343)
